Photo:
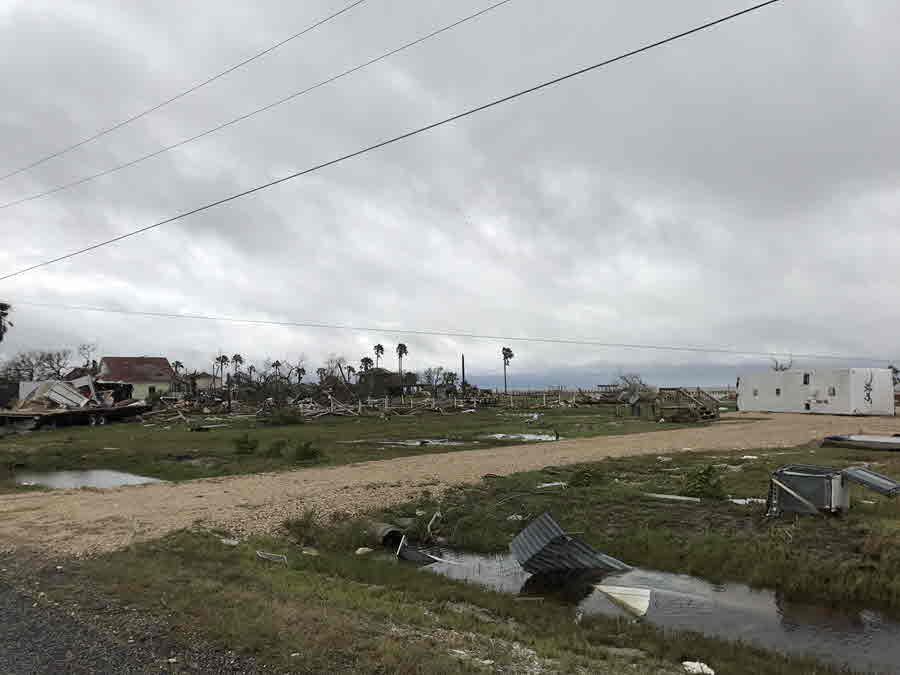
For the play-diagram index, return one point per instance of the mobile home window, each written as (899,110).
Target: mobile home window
(778,391)
(832,391)
(806,379)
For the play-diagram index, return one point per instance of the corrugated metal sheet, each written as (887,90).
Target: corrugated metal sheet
(544,546)
(874,481)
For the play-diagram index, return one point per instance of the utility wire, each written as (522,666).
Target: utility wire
(250,114)
(162,104)
(452,334)
(395,139)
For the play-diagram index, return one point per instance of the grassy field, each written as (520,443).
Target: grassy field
(848,559)
(336,612)
(172,452)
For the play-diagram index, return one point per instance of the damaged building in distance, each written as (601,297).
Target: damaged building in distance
(841,391)
(148,375)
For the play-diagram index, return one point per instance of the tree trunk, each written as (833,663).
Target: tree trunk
(505,390)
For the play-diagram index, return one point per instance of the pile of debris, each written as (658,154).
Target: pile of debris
(80,401)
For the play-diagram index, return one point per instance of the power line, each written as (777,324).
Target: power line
(452,334)
(180,95)
(395,139)
(241,118)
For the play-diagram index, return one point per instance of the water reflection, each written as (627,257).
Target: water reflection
(864,639)
(97,478)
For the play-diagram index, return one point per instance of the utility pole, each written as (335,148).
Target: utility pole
(463,385)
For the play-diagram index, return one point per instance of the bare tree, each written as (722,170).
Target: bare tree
(56,363)
(86,351)
(780,367)
(432,377)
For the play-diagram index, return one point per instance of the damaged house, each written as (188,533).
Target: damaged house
(147,375)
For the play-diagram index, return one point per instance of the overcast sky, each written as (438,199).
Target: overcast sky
(736,189)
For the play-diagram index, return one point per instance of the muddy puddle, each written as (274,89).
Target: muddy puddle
(98,478)
(865,640)
(410,442)
(523,437)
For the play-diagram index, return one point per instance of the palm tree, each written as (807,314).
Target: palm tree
(507,354)
(366,364)
(222,361)
(321,372)
(250,370)
(5,323)
(401,352)
(176,366)
(379,352)
(351,371)
(301,373)
(237,360)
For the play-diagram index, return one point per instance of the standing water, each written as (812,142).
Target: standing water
(862,639)
(98,478)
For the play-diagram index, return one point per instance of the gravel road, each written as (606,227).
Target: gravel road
(92,634)
(89,521)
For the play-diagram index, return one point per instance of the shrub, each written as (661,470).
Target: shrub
(705,481)
(582,478)
(277,448)
(244,445)
(284,417)
(301,451)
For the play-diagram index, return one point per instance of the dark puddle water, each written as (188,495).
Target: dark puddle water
(97,478)
(863,639)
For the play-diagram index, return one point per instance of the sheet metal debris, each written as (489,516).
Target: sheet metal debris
(543,546)
(863,442)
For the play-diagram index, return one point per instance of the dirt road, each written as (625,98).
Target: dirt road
(87,521)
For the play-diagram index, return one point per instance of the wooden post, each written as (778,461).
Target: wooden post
(359,407)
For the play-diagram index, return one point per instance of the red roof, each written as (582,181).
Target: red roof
(135,369)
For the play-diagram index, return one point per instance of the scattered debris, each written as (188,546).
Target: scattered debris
(543,546)
(309,551)
(516,516)
(749,457)
(664,459)
(671,498)
(230,542)
(634,600)
(559,483)
(363,550)
(436,516)
(272,557)
(747,501)
(697,668)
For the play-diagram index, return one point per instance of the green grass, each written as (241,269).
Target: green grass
(171,452)
(848,559)
(343,613)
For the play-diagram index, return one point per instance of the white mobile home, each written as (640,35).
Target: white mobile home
(845,391)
